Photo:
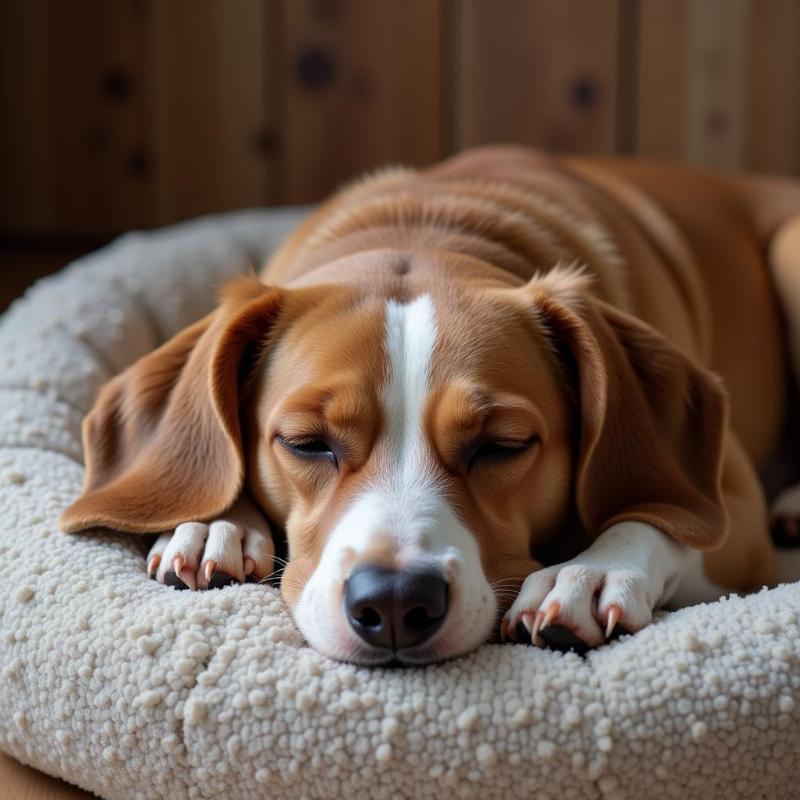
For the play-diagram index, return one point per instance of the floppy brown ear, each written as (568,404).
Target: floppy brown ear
(162,444)
(652,421)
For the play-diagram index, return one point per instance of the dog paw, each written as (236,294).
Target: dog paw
(579,605)
(211,555)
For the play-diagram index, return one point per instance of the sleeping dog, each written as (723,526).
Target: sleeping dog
(510,391)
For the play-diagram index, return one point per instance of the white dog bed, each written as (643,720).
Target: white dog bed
(134,690)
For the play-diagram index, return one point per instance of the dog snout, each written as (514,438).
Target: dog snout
(395,609)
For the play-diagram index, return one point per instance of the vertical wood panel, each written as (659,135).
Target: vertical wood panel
(542,72)
(662,69)
(73,144)
(186,128)
(213,115)
(27,131)
(245,37)
(692,98)
(363,88)
(773,142)
(101,111)
(138,112)
(717,62)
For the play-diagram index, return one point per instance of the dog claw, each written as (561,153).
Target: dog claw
(537,626)
(549,616)
(152,565)
(614,613)
(208,570)
(527,620)
(178,567)
(533,624)
(249,566)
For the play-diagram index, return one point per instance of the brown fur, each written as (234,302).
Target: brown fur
(614,368)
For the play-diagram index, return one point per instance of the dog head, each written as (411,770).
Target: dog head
(418,433)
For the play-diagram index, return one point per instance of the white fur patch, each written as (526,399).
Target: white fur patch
(410,341)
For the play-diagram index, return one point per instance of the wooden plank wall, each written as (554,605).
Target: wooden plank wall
(542,72)
(137,113)
(214,105)
(363,87)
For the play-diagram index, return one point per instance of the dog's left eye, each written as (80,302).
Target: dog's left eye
(499,450)
(309,448)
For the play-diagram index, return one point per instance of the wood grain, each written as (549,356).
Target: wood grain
(693,63)
(542,72)
(363,86)
(716,102)
(212,109)
(773,138)
(662,78)
(135,113)
(18,782)
(27,132)
(101,107)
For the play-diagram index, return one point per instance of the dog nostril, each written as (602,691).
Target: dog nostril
(418,619)
(369,605)
(368,617)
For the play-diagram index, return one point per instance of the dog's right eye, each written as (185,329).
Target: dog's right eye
(492,451)
(309,448)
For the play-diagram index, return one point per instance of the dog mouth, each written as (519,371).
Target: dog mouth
(394,659)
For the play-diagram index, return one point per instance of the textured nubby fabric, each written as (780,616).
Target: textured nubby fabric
(134,690)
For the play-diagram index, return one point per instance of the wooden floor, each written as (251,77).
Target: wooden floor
(23,783)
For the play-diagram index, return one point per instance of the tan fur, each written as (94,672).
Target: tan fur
(591,302)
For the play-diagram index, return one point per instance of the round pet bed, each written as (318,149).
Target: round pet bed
(134,690)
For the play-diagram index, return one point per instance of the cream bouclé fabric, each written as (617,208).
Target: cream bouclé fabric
(134,690)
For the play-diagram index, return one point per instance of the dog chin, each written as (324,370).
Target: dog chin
(413,657)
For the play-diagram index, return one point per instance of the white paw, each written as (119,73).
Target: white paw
(626,573)
(210,555)
(588,601)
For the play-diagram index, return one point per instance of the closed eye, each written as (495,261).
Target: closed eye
(309,448)
(499,450)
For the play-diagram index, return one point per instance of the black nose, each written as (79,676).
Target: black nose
(395,609)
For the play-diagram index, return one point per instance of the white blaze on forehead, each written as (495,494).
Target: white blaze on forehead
(410,340)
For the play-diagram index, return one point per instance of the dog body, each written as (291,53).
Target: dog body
(447,379)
